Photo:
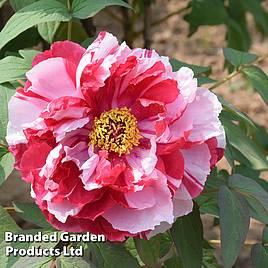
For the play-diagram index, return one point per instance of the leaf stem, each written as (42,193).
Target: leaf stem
(157,22)
(176,12)
(224,80)
(236,72)
(9,209)
(69,31)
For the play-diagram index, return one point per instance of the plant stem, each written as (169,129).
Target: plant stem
(176,12)
(146,22)
(69,31)
(9,209)
(236,72)
(157,22)
(224,80)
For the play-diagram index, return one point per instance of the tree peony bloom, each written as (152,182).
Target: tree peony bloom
(111,140)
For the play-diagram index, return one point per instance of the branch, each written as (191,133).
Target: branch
(236,72)
(147,24)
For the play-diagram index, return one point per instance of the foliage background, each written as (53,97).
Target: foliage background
(203,48)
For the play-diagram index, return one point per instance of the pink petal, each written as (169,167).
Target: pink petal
(51,80)
(135,221)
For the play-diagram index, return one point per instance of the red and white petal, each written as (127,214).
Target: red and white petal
(28,112)
(134,221)
(142,160)
(51,80)
(197,168)
(62,210)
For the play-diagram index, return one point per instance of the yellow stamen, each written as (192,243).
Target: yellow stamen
(115,131)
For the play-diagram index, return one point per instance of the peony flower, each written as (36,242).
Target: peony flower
(111,139)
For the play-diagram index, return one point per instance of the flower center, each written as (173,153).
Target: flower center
(115,131)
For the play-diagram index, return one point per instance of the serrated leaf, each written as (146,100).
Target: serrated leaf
(38,12)
(48,29)
(148,250)
(83,9)
(6,92)
(258,79)
(255,157)
(187,234)
(234,224)
(6,166)
(237,58)
(13,68)
(31,212)
(259,257)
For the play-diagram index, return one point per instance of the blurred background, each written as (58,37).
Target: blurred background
(195,35)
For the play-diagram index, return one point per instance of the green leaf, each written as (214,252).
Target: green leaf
(237,35)
(78,32)
(187,234)
(209,260)
(6,92)
(2,2)
(255,195)
(27,261)
(48,29)
(255,8)
(13,68)
(165,244)
(208,200)
(73,262)
(234,224)
(3,151)
(108,255)
(83,9)
(205,80)
(258,79)
(130,246)
(206,12)
(6,166)
(198,70)
(148,250)
(173,262)
(240,141)
(237,58)
(265,235)
(7,223)
(236,114)
(38,12)
(19,4)
(259,256)
(31,212)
